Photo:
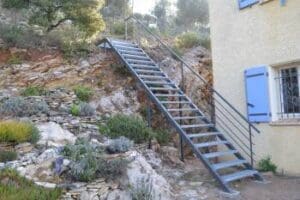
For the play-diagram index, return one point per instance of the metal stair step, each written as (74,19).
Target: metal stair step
(145,67)
(219,153)
(199,135)
(238,175)
(188,117)
(148,71)
(170,95)
(129,56)
(175,102)
(132,61)
(115,42)
(182,109)
(164,89)
(197,126)
(227,164)
(208,144)
(141,65)
(123,47)
(158,83)
(153,77)
(132,53)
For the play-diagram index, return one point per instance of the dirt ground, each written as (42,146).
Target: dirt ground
(276,187)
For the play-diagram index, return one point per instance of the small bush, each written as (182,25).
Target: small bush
(11,34)
(88,162)
(14,60)
(142,190)
(132,127)
(33,91)
(83,109)
(13,186)
(21,107)
(162,136)
(118,28)
(75,110)
(83,93)
(266,165)
(119,145)
(17,132)
(6,156)
(187,40)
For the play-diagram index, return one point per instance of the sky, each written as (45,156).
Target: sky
(145,6)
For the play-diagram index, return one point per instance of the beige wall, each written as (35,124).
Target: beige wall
(261,34)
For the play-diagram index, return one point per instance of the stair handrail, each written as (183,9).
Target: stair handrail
(251,125)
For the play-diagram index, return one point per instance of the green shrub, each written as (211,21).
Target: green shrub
(17,132)
(89,163)
(142,190)
(8,156)
(132,127)
(33,91)
(11,34)
(162,136)
(21,107)
(119,145)
(83,93)
(83,109)
(118,28)
(266,165)
(14,60)
(13,186)
(75,110)
(187,40)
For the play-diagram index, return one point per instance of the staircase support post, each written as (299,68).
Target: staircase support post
(149,118)
(251,144)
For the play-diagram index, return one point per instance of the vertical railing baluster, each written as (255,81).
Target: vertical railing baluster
(251,144)
(126,29)
(180,112)
(149,119)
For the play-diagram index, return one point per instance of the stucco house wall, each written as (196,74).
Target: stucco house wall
(266,34)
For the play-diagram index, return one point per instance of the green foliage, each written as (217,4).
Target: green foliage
(83,109)
(83,93)
(191,12)
(14,60)
(8,156)
(51,14)
(11,34)
(160,11)
(33,91)
(142,190)
(119,145)
(21,107)
(132,127)
(18,132)
(13,186)
(15,4)
(266,165)
(116,9)
(162,136)
(187,40)
(88,162)
(75,110)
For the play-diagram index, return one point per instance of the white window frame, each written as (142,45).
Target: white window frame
(275,96)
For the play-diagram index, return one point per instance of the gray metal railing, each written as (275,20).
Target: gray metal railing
(223,114)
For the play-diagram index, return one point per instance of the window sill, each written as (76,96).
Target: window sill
(286,122)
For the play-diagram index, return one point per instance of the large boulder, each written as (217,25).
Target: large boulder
(54,135)
(140,171)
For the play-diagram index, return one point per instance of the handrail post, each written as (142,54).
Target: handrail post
(149,120)
(126,29)
(251,144)
(182,77)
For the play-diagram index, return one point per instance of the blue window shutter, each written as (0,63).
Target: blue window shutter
(246,3)
(257,94)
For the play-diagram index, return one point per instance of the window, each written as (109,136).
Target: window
(288,90)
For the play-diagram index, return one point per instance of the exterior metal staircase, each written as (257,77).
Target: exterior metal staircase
(208,143)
